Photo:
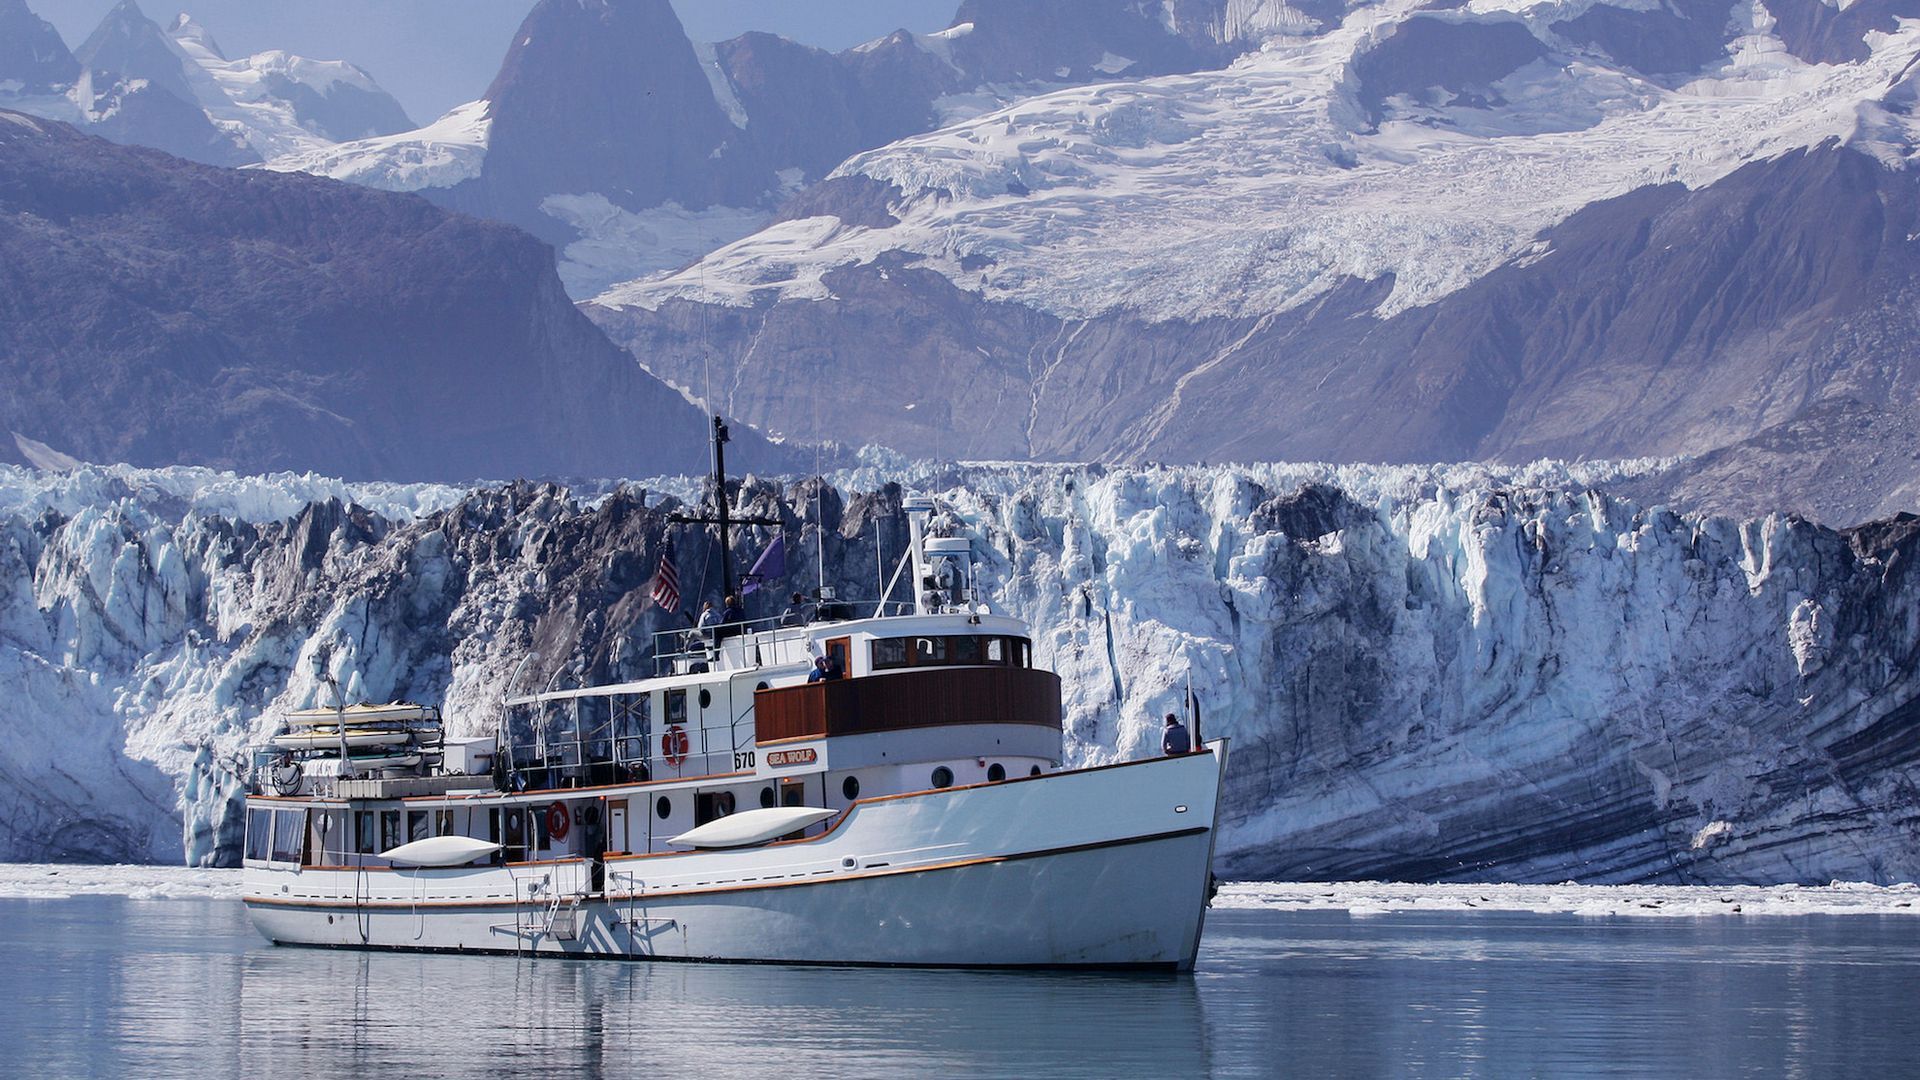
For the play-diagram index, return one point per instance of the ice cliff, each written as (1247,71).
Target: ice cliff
(1429,673)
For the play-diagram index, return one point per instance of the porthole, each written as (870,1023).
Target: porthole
(706,698)
(850,787)
(942,777)
(664,807)
(1035,771)
(766,796)
(760,686)
(996,772)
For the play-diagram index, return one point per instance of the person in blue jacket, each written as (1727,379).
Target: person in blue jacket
(1175,740)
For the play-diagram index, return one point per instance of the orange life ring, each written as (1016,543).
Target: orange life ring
(673,744)
(558,821)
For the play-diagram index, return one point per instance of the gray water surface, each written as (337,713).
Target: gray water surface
(105,986)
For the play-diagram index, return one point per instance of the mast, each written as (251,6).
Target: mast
(723,513)
(726,504)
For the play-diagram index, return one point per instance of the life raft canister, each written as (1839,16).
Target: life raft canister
(673,744)
(558,821)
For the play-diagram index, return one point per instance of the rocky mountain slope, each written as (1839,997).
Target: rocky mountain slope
(154,311)
(1401,234)
(1452,673)
(174,90)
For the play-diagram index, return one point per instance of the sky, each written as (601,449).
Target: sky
(435,54)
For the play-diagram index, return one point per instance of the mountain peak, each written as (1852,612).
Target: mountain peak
(187,31)
(129,45)
(31,52)
(579,69)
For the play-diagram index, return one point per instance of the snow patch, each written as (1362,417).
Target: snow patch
(42,456)
(55,881)
(619,245)
(441,154)
(723,92)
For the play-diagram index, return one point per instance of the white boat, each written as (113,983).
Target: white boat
(913,811)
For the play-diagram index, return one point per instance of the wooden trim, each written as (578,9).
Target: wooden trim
(910,698)
(919,727)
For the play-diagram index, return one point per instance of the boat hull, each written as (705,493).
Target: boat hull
(1094,868)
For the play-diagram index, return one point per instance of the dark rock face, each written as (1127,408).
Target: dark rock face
(856,200)
(1066,40)
(31,52)
(1665,321)
(601,96)
(1428,54)
(158,312)
(1674,39)
(811,109)
(133,114)
(1820,34)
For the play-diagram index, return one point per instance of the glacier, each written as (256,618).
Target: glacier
(1257,189)
(1437,673)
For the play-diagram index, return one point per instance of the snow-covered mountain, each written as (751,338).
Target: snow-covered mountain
(1406,232)
(1435,672)
(635,150)
(174,90)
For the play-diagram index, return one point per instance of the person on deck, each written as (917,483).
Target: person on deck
(709,618)
(731,616)
(825,669)
(797,613)
(1175,740)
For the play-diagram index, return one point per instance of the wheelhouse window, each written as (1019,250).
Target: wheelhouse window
(889,653)
(957,650)
(289,835)
(259,834)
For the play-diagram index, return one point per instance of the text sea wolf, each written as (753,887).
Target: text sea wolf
(780,759)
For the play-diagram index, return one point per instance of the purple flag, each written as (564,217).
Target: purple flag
(771,564)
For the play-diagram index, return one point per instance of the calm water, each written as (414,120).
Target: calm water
(107,986)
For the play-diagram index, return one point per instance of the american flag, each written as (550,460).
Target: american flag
(666,582)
